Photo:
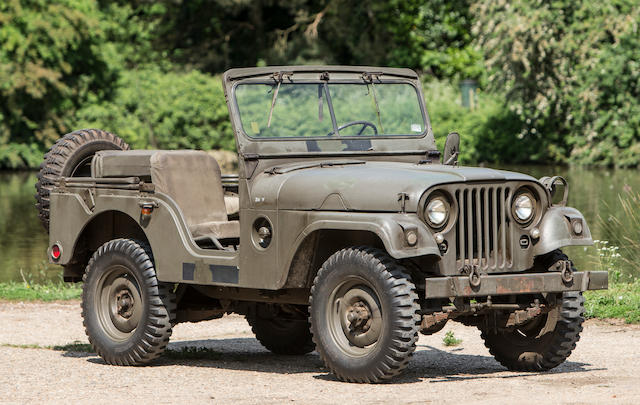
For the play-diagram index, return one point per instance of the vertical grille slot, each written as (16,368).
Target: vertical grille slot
(482,227)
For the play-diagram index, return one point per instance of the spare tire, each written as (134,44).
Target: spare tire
(71,156)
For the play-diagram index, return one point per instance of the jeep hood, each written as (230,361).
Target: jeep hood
(362,186)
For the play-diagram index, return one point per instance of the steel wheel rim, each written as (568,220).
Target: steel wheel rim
(355,317)
(82,169)
(120,305)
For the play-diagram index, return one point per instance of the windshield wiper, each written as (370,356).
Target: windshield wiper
(278,77)
(320,102)
(369,78)
(273,104)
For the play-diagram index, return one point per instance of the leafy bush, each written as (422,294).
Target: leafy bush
(20,155)
(570,71)
(488,133)
(50,62)
(152,109)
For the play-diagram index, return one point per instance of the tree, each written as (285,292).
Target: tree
(569,70)
(50,60)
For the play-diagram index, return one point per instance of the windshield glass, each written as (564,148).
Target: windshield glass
(303,110)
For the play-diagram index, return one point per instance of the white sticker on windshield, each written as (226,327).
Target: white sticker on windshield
(416,128)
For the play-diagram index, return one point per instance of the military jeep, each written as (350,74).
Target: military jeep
(345,230)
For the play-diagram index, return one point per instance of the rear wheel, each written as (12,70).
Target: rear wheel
(364,315)
(281,331)
(71,156)
(542,343)
(128,314)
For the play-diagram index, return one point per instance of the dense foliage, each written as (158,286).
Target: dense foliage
(571,72)
(50,61)
(560,80)
(164,111)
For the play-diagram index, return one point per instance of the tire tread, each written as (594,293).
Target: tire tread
(158,326)
(405,299)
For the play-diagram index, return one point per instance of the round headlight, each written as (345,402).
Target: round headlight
(437,211)
(523,207)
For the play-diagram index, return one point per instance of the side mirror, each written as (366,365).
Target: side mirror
(451,149)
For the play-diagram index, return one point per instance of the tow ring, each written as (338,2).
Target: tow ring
(567,274)
(474,278)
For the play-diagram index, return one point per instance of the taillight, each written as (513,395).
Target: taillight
(56,252)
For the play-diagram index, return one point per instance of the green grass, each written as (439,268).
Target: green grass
(450,339)
(46,291)
(621,301)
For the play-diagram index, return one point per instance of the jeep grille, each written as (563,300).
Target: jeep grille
(481,238)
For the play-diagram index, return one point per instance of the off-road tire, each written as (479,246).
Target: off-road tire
(360,270)
(282,335)
(157,304)
(71,156)
(550,347)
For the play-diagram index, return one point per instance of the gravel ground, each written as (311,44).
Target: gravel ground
(604,368)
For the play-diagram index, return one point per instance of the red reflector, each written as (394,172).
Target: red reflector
(55,252)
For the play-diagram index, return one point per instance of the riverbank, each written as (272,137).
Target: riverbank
(46,292)
(620,301)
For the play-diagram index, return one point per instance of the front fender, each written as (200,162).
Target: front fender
(390,228)
(556,230)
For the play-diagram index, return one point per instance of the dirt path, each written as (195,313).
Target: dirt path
(605,368)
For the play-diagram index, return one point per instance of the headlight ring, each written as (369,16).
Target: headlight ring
(437,211)
(523,207)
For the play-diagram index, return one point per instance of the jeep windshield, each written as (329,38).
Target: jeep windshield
(321,110)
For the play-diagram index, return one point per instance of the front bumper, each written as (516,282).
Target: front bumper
(510,284)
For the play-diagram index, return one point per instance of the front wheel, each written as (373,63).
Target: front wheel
(128,314)
(364,315)
(542,343)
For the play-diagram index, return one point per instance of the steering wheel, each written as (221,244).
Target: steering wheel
(364,124)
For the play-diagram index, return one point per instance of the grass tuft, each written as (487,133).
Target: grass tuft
(450,339)
(22,346)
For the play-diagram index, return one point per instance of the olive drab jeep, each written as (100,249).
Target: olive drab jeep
(345,231)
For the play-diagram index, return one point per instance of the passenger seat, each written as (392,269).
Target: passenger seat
(193,180)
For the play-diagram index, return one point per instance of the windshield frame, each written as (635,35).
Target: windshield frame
(327,93)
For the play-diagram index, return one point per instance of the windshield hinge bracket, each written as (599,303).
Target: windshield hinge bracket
(279,77)
(369,77)
(430,156)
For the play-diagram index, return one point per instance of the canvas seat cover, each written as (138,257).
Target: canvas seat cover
(193,180)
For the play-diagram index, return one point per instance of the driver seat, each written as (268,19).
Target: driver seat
(193,180)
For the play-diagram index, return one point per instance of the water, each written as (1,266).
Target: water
(23,241)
